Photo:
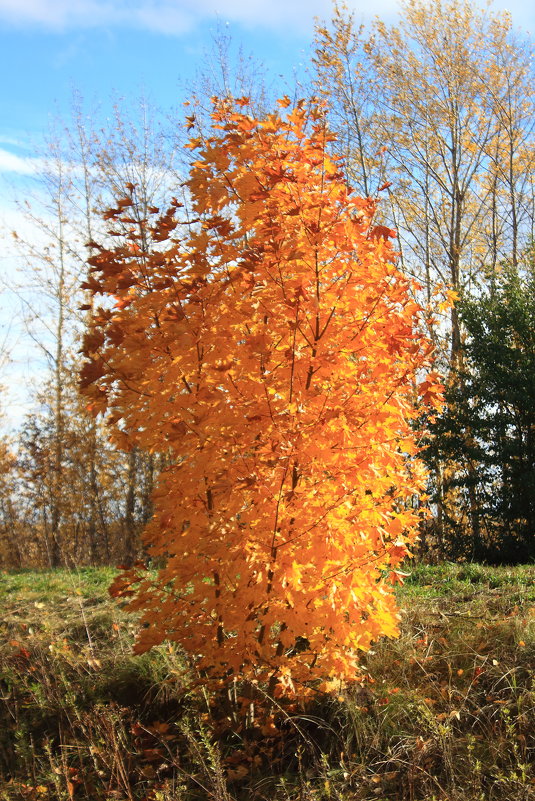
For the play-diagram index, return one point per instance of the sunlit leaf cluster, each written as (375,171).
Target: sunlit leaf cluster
(264,338)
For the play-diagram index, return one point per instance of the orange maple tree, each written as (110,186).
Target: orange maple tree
(264,338)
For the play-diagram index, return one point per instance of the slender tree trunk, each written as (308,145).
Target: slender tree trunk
(58,488)
(130,543)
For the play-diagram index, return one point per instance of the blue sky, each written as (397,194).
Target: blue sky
(48,48)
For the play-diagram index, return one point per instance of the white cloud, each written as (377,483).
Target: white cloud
(56,14)
(61,15)
(164,16)
(180,16)
(22,165)
(15,141)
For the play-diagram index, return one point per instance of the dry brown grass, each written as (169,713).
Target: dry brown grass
(446,711)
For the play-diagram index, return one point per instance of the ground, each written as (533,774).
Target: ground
(446,712)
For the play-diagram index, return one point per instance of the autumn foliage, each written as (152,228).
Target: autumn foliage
(264,339)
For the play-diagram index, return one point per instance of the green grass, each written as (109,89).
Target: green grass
(450,578)
(49,585)
(444,713)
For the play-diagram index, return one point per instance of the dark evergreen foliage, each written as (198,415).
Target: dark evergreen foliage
(488,429)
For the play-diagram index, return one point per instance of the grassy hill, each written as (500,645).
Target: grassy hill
(446,712)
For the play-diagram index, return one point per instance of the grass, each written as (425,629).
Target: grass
(444,713)
(50,585)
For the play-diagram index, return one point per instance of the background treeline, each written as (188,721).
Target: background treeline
(436,114)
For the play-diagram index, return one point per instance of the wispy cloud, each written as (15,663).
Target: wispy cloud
(62,15)
(17,141)
(21,165)
(177,17)
(163,16)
